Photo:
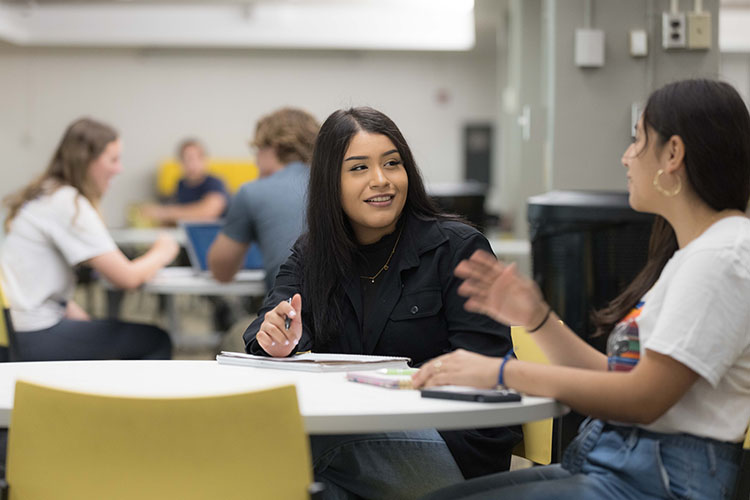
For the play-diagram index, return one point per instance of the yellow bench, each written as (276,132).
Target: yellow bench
(234,173)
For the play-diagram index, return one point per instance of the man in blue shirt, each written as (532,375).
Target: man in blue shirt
(269,211)
(199,196)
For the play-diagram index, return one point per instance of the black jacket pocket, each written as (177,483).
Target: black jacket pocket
(421,304)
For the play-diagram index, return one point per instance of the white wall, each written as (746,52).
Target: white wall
(735,69)
(592,116)
(580,118)
(156,97)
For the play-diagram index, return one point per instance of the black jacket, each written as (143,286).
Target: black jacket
(419,314)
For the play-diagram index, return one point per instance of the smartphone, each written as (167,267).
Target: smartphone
(464,393)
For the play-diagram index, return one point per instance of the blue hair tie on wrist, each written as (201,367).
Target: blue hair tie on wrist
(500,377)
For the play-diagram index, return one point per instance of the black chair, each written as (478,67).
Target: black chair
(742,487)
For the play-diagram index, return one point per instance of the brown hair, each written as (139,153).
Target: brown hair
(714,125)
(83,142)
(290,132)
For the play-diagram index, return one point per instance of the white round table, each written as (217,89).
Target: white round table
(329,404)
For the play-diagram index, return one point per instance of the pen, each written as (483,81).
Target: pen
(288,320)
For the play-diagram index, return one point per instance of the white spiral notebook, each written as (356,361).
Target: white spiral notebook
(314,362)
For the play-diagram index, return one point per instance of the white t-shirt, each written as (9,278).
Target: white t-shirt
(698,313)
(49,236)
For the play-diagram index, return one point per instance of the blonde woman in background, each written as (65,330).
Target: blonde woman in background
(54,225)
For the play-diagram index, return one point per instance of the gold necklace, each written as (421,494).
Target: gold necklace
(388,261)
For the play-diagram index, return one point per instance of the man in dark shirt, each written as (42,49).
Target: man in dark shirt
(199,196)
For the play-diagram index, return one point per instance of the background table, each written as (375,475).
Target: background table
(144,236)
(184,280)
(510,250)
(172,281)
(328,402)
(134,241)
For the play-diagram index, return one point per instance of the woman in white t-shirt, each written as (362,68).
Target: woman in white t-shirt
(670,402)
(54,224)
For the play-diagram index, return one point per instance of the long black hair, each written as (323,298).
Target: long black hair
(330,245)
(714,125)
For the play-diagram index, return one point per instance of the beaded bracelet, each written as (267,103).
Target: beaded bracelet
(500,377)
(540,325)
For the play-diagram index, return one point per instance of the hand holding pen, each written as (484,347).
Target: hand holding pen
(282,327)
(288,320)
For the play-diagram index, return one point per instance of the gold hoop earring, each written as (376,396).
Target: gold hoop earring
(668,194)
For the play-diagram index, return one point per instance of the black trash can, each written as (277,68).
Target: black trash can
(586,247)
(463,198)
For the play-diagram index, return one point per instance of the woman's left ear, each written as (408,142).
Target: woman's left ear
(676,153)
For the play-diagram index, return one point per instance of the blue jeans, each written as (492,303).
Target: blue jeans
(96,339)
(392,465)
(613,462)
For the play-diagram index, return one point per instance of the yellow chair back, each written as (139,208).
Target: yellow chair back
(234,173)
(69,445)
(5,324)
(537,436)
(746,445)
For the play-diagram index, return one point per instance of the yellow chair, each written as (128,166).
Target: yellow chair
(234,173)
(537,436)
(69,445)
(7,334)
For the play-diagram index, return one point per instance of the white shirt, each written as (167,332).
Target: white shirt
(698,313)
(49,236)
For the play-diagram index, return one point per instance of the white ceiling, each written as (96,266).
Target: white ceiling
(314,24)
(291,24)
(179,2)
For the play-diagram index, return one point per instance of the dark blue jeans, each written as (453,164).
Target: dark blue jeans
(392,465)
(96,339)
(617,463)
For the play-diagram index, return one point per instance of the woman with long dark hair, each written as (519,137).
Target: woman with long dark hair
(374,275)
(670,401)
(53,225)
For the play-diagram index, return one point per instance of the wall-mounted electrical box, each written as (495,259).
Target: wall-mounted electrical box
(673,30)
(589,50)
(699,30)
(638,43)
